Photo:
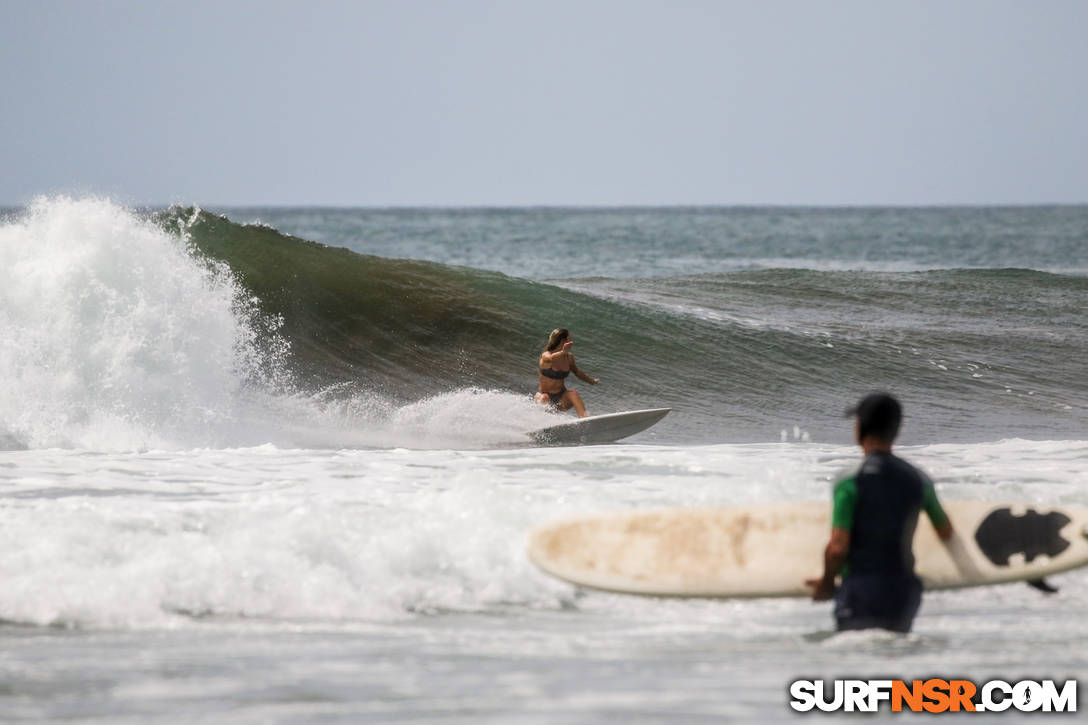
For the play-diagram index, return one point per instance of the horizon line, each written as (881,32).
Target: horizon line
(563,206)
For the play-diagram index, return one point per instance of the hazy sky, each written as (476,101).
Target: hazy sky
(466,102)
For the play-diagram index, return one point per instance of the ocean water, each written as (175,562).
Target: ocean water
(269,465)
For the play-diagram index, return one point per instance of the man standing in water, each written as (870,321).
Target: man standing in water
(872,528)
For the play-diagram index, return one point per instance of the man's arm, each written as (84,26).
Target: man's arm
(947,534)
(844,500)
(935,512)
(834,557)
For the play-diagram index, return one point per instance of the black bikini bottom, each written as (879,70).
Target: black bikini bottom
(556,398)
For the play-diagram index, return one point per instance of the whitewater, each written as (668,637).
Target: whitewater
(224,499)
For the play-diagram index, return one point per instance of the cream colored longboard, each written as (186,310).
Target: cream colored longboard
(599,428)
(766,551)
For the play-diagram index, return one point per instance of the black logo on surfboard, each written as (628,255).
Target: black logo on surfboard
(1000,535)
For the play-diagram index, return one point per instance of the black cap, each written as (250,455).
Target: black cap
(878,414)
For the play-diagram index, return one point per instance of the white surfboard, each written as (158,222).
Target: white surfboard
(599,428)
(765,551)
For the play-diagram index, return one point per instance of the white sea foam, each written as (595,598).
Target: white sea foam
(113,335)
(290,537)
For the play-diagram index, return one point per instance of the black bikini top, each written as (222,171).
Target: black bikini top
(554,374)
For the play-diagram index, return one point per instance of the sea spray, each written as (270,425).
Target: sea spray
(114,336)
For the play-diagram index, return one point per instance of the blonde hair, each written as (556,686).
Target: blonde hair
(558,337)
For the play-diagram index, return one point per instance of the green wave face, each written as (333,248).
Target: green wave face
(413,327)
(740,355)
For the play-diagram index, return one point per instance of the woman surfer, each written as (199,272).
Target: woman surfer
(556,363)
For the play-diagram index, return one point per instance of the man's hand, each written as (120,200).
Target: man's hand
(822,589)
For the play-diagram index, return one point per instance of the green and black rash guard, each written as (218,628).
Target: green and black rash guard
(879,504)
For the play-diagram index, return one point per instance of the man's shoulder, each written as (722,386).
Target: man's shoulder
(907,468)
(846,476)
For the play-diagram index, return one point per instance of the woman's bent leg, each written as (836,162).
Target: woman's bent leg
(574,399)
